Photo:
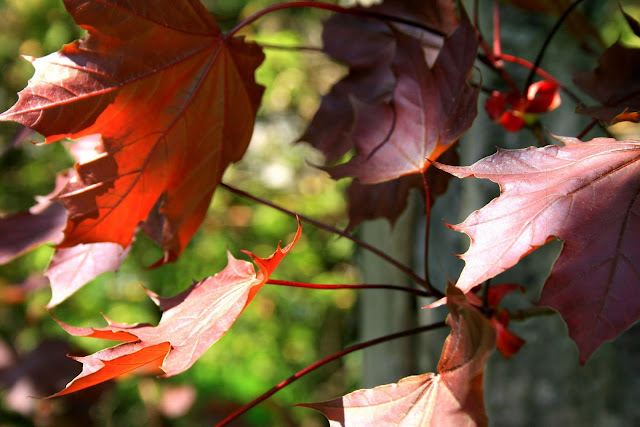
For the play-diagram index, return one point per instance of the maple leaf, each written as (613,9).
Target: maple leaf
(191,322)
(431,108)
(374,48)
(586,194)
(615,83)
(173,99)
(368,54)
(454,397)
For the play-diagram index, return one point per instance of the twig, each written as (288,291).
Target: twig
(588,128)
(406,270)
(543,49)
(332,8)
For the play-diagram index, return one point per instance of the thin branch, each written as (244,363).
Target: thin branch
(543,49)
(588,128)
(406,270)
(413,291)
(324,361)
(333,8)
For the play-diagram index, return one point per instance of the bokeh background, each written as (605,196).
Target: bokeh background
(285,329)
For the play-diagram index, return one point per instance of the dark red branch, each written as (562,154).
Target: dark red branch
(333,8)
(417,292)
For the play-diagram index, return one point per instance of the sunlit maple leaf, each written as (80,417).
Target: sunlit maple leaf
(191,322)
(453,397)
(615,82)
(173,99)
(586,194)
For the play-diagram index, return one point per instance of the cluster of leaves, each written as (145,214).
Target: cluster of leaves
(156,129)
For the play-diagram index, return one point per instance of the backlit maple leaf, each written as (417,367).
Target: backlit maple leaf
(191,322)
(586,194)
(453,397)
(173,99)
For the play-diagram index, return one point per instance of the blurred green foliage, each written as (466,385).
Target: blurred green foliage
(282,331)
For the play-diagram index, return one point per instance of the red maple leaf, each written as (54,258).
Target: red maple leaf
(586,194)
(191,322)
(173,99)
(453,397)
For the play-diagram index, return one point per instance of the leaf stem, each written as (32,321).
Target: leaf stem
(427,224)
(332,8)
(543,49)
(324,361)
(529,65)
(417,292)
(406,270)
